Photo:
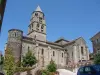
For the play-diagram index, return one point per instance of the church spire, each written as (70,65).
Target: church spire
(38,8)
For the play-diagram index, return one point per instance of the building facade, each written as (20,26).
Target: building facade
(96,43)
(62,51)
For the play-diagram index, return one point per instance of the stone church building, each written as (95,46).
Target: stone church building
(62,51)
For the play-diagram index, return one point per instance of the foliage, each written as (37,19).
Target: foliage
(22,69)
(9,62)
(1,60)
(29,59)
(97,58)
(52,66)
(45,72)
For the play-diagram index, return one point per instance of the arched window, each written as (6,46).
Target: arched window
(28,48)
(82,51)
(53,53)
(36,14)
(15,34)
(37,28)
(62,55)
(40,19)
(42,52)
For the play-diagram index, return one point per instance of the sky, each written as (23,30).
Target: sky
(64,18)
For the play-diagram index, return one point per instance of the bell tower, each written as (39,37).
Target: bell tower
(37,27)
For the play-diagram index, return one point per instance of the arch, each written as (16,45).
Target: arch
(62,54)
(53,53)
(37,27)
(42,28)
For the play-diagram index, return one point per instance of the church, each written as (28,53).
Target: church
(62,51)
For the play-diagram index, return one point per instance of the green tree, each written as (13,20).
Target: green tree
(29,59)
(97,58)
(52,66)
(9,62)
(1,60)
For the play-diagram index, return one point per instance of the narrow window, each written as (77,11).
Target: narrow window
(42,51)
(28,48)
(37,27)
(36,14)
(15,34)
(72,54)
(42,27)
(62,54)
(32,25)
(40,19)
(82,51)
(53,53)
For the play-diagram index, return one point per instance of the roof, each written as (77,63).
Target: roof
(61,39)
(38,8)
(95,35)
(15,30)
(27,38)
(71,42)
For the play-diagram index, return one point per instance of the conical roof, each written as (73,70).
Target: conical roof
(38,8)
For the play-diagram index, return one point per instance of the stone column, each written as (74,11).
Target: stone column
(75,53)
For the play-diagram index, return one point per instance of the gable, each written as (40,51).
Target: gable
(80,41)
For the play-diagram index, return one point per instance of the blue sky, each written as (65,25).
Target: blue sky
(64,18)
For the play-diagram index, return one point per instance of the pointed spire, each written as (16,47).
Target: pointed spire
(38,9)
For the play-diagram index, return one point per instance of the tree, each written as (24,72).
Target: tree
(97,58)
(29,59)
(52,67)
(1,60)
(9,62)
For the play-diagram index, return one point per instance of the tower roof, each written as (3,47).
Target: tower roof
(38,8)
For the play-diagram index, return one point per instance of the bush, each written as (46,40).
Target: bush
(52,66)
(97,58)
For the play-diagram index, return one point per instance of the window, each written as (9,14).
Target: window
(28,48)
(96,41)
(36,14)
(62,54)
(99,40)
(15,34)
(37,27)
(82,51)
(42,27)
(32,25)
(98,50)
(42,51)
(53,53)
(40,19)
